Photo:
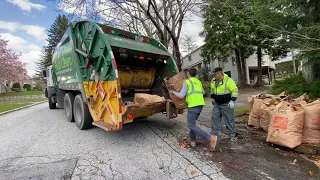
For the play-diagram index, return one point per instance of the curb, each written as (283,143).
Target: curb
(17,109)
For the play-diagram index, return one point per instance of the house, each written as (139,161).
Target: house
(7,85)
(194,59)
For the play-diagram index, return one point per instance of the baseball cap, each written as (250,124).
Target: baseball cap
(217,69)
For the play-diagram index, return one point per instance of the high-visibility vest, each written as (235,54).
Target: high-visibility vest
(225,90)
(194,96)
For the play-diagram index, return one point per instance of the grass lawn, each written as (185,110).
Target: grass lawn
(9,105)
(24,93)
(241,111)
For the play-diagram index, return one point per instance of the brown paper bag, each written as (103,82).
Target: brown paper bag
(266,116)
(175,83)
(254,116)
(144,99)
(303,97)
(285,128)
(262,100)
(311,129)
(251,99)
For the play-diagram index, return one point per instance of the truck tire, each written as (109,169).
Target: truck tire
(68,106)
(82,115)
(52,105)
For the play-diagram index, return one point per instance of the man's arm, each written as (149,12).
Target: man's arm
(232,87)
(183,91)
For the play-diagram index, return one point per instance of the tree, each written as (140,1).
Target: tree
(188,44)
(238,27)
(161,19)
(306,36)
(227,30)
(55,33)
(11,68)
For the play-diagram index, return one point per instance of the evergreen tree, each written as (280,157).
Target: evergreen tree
(238,27)
(55,33)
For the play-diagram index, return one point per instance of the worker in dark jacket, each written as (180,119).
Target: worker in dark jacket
(224,93)
(193,91)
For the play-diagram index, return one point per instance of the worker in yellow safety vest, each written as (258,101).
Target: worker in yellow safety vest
(192,91)
(224,93)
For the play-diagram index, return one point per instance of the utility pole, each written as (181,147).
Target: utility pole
(293,62)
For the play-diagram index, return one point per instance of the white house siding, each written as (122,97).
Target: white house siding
(194,59)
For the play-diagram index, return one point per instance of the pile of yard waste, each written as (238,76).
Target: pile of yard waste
(288,121)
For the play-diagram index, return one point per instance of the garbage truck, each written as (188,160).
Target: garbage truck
(96,71)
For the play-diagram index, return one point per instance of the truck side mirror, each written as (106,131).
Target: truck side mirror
(44,73)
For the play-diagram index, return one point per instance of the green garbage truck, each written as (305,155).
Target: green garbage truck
(96,70)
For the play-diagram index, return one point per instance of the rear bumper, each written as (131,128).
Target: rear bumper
(139,111)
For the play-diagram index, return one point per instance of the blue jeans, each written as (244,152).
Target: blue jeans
(223,111)
(193,114)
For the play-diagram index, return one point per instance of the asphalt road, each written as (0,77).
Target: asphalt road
(38,143)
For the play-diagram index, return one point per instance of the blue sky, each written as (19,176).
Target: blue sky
(25,23)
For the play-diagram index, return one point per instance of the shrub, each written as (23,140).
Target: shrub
(206,87)
(27,87)
(16,89)
(314,90)
(16,85)
(297,86)
(204,73)
(38,87)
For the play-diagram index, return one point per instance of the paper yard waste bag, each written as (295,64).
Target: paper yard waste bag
(263,100)
(144,99)
(311,129)
(175,83)
(266,116)
(251,99)
(303,97)
(285,128)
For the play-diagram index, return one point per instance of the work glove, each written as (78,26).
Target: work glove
(171,91)
(231,104)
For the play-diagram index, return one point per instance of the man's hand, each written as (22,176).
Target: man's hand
(231,104)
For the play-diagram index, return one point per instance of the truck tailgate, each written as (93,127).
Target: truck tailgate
(138,111)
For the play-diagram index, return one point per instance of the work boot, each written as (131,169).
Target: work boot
(193,144)
(213,142)
(233,139)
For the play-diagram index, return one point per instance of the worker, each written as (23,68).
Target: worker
(192,91)
(224,93)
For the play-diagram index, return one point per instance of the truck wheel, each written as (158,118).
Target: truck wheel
(68,106)
(52,105)
(82,115)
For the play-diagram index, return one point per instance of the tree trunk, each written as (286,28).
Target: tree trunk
(177,55)
(244,68)
(259,53)
(5,87)
(240,74)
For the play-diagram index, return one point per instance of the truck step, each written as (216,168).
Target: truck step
(103,125)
